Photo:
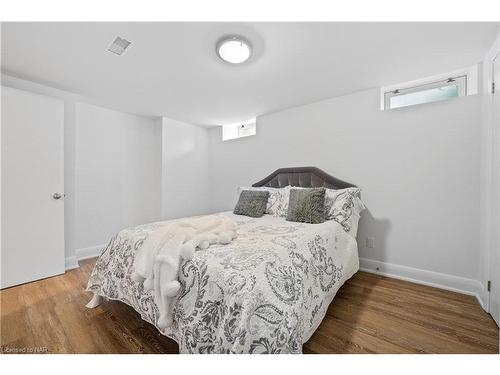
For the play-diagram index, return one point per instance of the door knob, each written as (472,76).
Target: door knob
(57,196)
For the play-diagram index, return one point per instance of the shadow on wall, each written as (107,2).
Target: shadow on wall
(376,228)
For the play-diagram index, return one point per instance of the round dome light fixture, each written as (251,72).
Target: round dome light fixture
(234,49)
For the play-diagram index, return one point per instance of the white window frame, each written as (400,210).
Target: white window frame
(467,79)
(238,130)
(460,82)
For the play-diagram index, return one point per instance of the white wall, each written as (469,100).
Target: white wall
(418,168)
(118,173)
(185,186)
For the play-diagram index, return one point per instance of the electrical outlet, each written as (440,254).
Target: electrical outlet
(370,242)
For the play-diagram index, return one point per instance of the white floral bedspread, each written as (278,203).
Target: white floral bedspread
(266,292)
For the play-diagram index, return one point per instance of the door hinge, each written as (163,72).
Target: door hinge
(492,87)
(489,286)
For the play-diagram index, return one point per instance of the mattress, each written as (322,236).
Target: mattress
(265,292)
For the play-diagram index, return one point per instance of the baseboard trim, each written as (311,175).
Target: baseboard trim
(89,252)
(71,263)
(82,254)
(482,299)
(435,279)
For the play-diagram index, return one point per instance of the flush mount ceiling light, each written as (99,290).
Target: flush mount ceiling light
(234,49)
(119,45)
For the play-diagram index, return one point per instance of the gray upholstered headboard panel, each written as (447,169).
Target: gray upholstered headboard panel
(302,177)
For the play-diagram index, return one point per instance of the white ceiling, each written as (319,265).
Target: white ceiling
(171,69)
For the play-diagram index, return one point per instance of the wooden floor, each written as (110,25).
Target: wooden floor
(370,314)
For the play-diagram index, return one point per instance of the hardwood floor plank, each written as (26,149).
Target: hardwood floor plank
(357,339)
(408,334)
(370,314)
(432,316)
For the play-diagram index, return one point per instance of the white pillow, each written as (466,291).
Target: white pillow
(344,206)
(277,204)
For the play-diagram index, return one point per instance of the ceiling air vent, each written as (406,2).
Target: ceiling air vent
(119,45)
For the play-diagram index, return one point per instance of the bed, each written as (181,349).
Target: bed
(265,292)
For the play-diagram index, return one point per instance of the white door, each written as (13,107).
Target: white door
(494,260)
(32,159)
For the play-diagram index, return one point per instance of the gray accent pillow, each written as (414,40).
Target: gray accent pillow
(252,203)
(307,205)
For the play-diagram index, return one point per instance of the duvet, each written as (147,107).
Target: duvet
(266,292)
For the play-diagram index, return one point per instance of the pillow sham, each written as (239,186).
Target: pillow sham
(251,203)
(307,205)
(344,206)
(356,215)
(277,204)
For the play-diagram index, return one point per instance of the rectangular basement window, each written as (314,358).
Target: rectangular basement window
(445,89)
(239,130)
(444,86)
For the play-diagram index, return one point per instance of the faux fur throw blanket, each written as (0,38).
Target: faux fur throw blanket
(157,261)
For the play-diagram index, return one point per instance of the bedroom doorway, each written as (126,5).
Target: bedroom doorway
(32,205)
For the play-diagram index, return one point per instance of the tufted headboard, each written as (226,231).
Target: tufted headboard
(302,177)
